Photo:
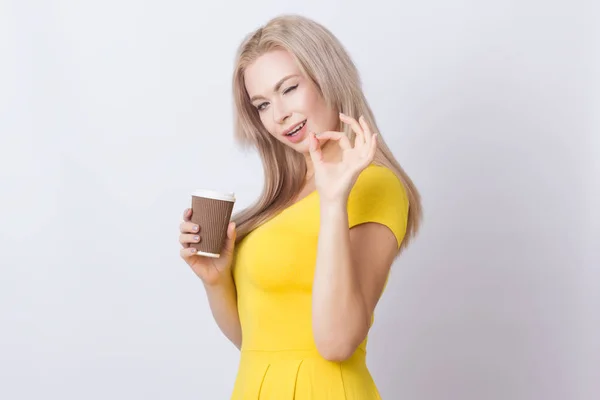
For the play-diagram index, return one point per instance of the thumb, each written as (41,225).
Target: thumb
(230,242)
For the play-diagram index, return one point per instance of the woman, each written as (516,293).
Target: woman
(303,268)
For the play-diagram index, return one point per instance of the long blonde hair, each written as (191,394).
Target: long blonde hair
(323,59)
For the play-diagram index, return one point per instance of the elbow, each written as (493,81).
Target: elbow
(335,356)
(336,348)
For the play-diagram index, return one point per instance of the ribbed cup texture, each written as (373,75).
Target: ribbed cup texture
(213,218)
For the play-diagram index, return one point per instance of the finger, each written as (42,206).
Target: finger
(372,149)
(314,147)
(360,136)
(333,135)
(188,227)
(187,214)
(339,136)
(230,242)
(186,238)
(366,130)
(187,252)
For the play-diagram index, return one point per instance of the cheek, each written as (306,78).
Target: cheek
(267,122)
(315,105)
(269,125)
(311,101)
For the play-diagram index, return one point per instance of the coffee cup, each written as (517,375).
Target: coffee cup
(211,211)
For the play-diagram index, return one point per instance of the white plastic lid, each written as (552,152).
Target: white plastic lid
(210,194)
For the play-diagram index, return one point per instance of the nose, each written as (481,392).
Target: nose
(280,112)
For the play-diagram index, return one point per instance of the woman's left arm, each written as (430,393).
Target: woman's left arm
(351,270)
(352,264)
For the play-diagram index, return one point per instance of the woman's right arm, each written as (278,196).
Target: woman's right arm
(216,276)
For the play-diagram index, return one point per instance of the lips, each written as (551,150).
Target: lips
(289,131)
(297,133)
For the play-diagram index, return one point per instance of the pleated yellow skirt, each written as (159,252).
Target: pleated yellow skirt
(302,375)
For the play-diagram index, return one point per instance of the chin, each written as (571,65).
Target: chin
(300,147)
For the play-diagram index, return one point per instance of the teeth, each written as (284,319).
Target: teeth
(297,129)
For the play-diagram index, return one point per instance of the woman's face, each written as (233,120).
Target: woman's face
(286,100)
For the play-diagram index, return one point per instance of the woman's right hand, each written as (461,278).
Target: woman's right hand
(211,270)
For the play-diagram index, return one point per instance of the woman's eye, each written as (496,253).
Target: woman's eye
(290,89)
(262,106)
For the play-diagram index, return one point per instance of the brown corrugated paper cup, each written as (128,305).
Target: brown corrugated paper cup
(212,212)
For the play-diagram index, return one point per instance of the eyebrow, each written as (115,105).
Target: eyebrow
(277,86)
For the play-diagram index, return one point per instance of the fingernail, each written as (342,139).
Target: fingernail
(193,250)
(196,238)
(196,228)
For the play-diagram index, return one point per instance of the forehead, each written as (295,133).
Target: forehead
(262,75)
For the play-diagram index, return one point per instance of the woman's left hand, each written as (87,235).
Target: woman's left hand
(334,179)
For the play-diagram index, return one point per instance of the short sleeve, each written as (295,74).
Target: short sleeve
(379,196)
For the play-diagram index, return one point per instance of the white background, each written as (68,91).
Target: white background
(112,112)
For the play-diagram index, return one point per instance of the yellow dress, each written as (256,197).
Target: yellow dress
(273,270)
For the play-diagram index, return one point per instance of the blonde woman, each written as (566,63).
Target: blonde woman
(305,266)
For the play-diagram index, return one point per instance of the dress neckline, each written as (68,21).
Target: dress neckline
(306,196)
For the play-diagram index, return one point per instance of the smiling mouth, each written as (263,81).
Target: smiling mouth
(296,129)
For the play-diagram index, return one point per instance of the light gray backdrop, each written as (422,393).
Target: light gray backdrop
(112,112)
